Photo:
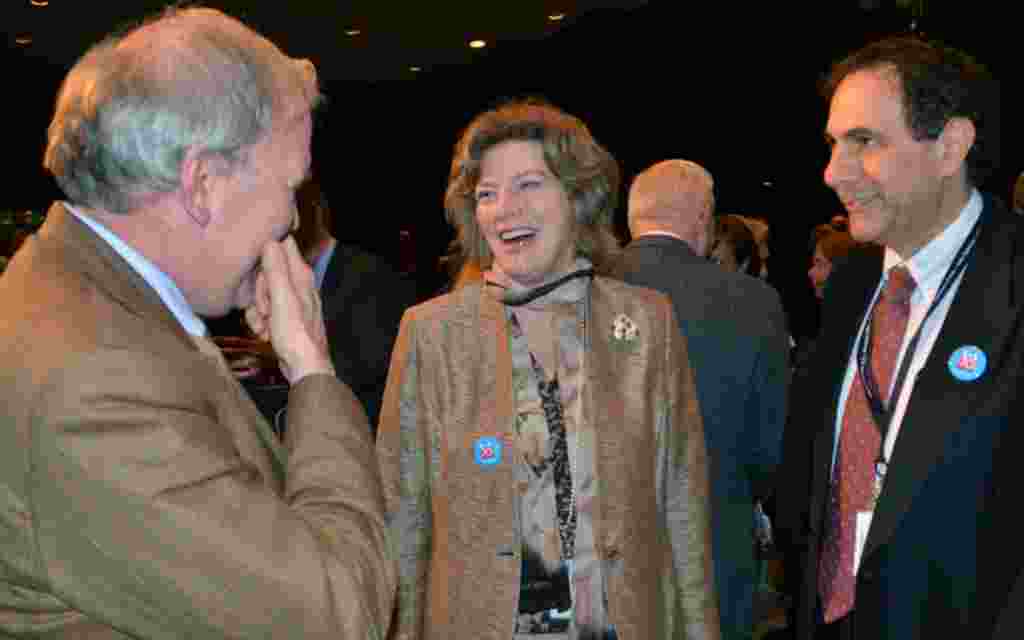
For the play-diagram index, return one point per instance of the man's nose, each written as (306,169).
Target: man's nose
(838,167)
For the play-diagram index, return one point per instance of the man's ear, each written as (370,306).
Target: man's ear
(953,144)
(199,173)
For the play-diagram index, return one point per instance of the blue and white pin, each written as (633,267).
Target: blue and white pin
(487,451)
(968,363)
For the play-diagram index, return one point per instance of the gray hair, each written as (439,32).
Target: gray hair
(134,104)
(671,189)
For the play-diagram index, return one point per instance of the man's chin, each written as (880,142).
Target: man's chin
(860,230)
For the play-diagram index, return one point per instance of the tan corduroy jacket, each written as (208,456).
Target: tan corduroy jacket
(143,495)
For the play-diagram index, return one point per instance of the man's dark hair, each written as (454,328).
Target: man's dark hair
(938,83)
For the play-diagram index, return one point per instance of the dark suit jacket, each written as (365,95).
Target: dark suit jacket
(363,300)
(735,329)
(944,546)
(141,492)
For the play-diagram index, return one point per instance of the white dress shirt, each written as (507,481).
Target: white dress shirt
(161,282)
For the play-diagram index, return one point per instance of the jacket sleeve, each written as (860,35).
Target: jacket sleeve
(148,519)
(684,480)
(402,447)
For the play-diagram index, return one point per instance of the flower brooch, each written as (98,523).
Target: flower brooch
(624,332)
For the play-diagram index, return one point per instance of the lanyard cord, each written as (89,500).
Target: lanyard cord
(883,414)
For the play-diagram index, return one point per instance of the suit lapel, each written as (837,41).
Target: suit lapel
(119,280)
(108,270)
(982,315)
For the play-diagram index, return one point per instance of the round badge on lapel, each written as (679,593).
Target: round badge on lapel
(967,363)
(487,451)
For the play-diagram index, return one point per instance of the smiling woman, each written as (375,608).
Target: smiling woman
(548,151)
(540,428)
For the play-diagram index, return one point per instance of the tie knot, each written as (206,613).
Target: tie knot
(899,286)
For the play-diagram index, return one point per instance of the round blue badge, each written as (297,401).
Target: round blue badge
(487,451)
(967,363)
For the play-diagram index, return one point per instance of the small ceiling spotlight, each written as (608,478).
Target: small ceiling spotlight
(555,17)
(477,44)
(352,32)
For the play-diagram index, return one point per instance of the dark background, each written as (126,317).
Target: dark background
(730,85)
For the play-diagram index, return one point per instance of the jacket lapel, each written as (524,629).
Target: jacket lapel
(110,272)
(97,260)
(604,408)
(981,315)
(617,396)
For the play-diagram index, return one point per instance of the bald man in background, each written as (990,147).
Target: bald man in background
(735,330)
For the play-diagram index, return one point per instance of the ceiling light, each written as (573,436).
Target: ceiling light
(477,44)
(23,40)
(415,69)
(352,32)
(555,17)
(39,3)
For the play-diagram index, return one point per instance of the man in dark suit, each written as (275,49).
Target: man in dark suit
(735,332)
(364,298)
(902,489)
(142,494)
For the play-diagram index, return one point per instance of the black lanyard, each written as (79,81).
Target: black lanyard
(883,414)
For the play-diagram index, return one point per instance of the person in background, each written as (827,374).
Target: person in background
(735,332)
(734,247)
(363,296)
(143,494)
(829,243)
(762,238)
(541,443)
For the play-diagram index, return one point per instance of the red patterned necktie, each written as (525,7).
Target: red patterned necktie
(853,475)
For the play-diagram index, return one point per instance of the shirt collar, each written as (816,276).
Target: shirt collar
(321,262)
(930,263)
(662,233)
(154,277)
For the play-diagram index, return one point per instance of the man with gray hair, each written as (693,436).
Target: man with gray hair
(736,336)
(143,495)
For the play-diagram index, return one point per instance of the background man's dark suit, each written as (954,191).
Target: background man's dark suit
(363,299)
(944,547)
(736,337)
